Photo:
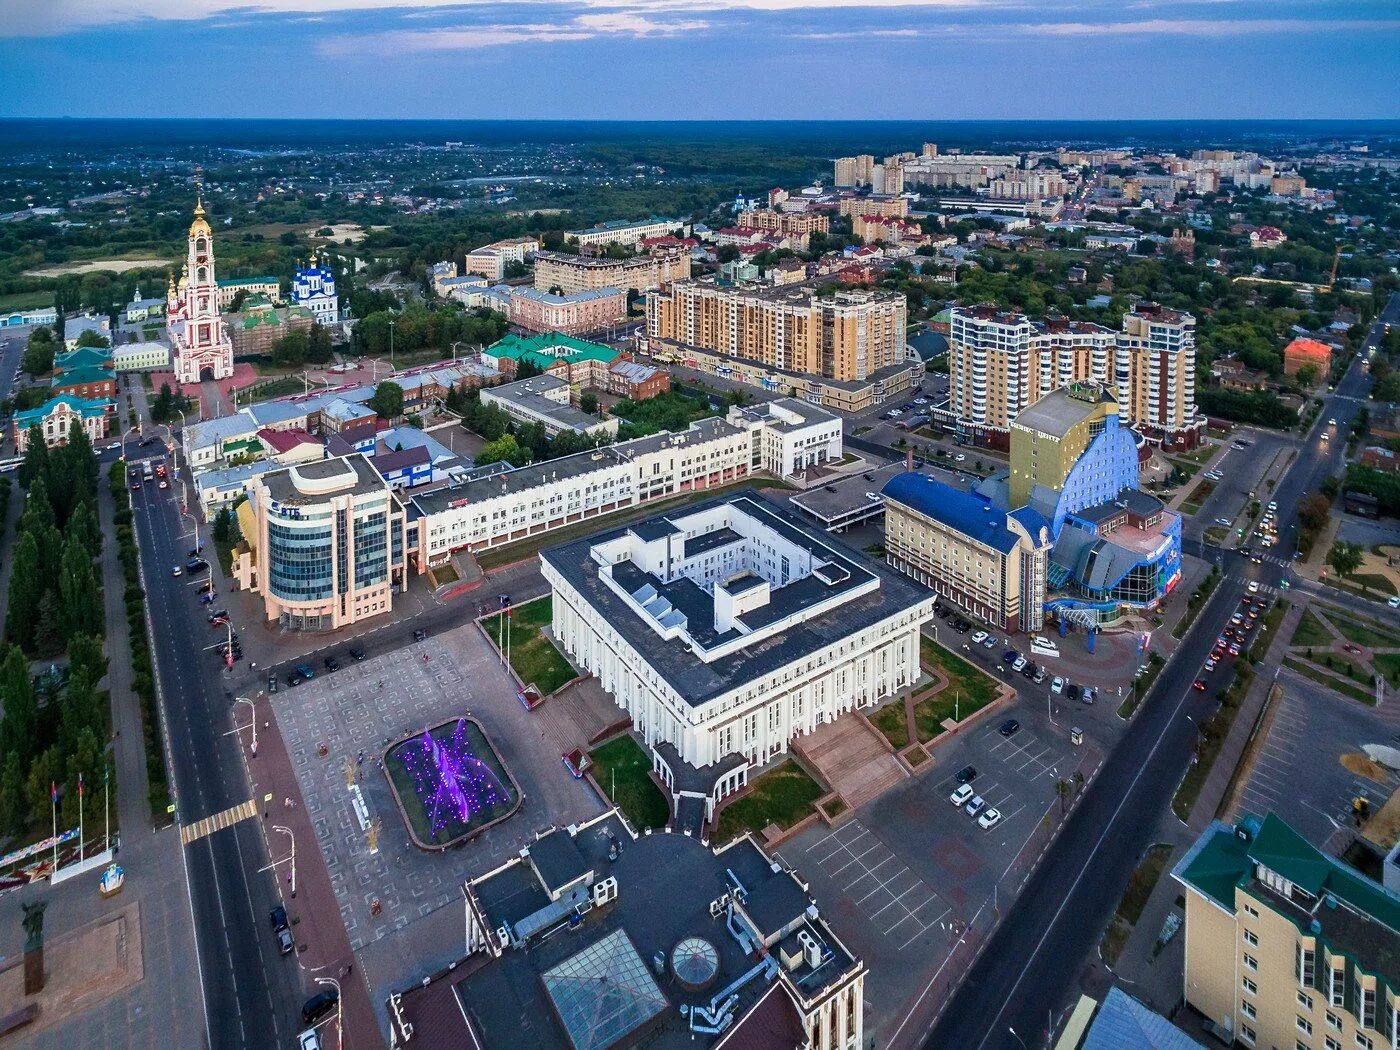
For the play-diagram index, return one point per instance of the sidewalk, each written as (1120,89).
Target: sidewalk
(323,946)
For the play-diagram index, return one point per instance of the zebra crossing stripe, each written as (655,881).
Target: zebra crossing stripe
(216,822)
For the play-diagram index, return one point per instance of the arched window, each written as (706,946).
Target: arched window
(201,245)
(202,274)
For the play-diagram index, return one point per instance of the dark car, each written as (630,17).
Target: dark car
(319,1005)
(967,774)
(196,565)
(208,597)
(278,917)
(357,653)
(420,635)
(219,615)
(272,683)
(332,664)
(1009,727)
(305,671)
(963,626)
(293,680)
(195,552)
(1030,670)
(1010,656)
(206,587)
(1073,691)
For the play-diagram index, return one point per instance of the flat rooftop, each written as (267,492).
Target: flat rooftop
(313,482)
(837,572)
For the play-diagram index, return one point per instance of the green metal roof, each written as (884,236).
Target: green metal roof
(84,374)
(84,355)
(83,406)
(550,348)
(238,282)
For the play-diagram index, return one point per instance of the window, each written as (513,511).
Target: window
(1305,1001)
(1247,1008)
(1305,965)
(1331,1044)
(1249,986)
(1363,1041)
(1304,1025)
(1247,1033)
(1366,1007)
(1333,1021)
(1336,991)
(1251,911)
(1250,937)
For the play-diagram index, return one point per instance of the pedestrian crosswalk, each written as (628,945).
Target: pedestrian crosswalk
(1266,589)
(216,822)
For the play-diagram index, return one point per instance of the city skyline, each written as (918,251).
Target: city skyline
(732,58)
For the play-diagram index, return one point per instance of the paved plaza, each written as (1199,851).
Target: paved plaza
(329,722)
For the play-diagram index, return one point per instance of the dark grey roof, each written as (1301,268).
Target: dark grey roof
(742,583)
(653,529)
(692,678)
(687,777)
(775,904)
(557,860)
(354,473)
(710,541)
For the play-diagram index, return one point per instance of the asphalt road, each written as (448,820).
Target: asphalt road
(1026,977)
(252,995)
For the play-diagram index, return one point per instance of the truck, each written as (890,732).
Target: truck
(146,470)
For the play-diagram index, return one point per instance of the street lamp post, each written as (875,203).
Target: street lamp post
(339,1011)
(391,344)
(252,718)
(1018,1038)
(288,832)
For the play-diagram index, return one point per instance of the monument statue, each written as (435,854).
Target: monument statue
(34,925)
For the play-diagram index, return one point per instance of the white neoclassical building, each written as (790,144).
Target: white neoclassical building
(728,628)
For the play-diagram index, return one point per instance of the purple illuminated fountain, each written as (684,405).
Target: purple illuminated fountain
(459,785)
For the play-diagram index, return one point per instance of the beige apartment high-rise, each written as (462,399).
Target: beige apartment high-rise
(854,171)
(1285,945)
(1155,373)
(846,335)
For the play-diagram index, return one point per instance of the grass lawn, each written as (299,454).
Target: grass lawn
(1185,466)
(1198,496)
(1140,886)
(1213,732)
(524,548)
(1375,581)
(533,655)
(968,690)
(445,573)
(1141,686)
(890,721)
(1311,631)
(270,388)
(1263,637)
(25,301)
(1216,534)
(1372,636)
(1336,685)
(623,770)
(782,796)
(1388,664)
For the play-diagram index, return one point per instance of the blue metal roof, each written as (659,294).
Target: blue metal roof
(1031,520)
(970,514)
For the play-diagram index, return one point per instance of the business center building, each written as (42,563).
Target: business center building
(1064,533)
(728,628)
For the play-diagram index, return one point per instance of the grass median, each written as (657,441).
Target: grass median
(1213,733)
(532,653)
(782,796)
(623,770)
(1140,885)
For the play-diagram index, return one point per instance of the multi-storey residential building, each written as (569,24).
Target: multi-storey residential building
(491,260)
(977,557)
(566,274)
(854,171)
(845,335)
(727,628)
(874,204)
(1155,375)
(1028,186)
(889,229)
(1001,363)
(573,314)
(622,232)
(1285,945)
(323,543)
(141,357)
(802,223)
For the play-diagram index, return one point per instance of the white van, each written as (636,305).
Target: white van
(1042,646)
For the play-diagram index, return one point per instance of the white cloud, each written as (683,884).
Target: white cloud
(473,38)
(1203,27)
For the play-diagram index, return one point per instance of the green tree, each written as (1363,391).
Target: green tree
(1308,376)
(48,630)
(26,592)
(85,759)
(83,524)
(80,610)
(85,654)
(292,350)
(503,449)
(39,352)
(387,401)
(87,337)
(80,709)
(21,713)
(13,815)
(589,403)
(43,774)
(1313,511)
(1344,557)
(36,457)
(223,526)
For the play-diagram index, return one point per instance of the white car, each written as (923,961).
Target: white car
(975,806)
(989,819)
(1393,601)
(1253,587)
(1273,505)
(1331,422)
(961,795)
(309,1040)
(1057,684)
(177,571)
(979,637)
(959,457)
(1018,663)
(1222,521)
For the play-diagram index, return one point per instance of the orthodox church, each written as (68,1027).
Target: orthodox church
(313,287)
(199,338)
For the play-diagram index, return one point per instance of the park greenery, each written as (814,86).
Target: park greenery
(1383,486)
(54,725)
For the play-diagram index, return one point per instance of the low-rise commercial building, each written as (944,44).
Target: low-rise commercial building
(620,231)
(575,314)
(141,357)
(323,544)
(491,260)
(580,361)
(1301,353)
(545,400)
(789,436)
(85,324)
(732,626)
(1285,945)
(635,381)
(93,382)
(231,287)
(44,315)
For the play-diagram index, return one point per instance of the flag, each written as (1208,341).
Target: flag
(106,775)
(80,784)
(53,792)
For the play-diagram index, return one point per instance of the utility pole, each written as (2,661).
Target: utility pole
(288,832)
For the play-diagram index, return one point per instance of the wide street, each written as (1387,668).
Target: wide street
(1025,978)
(252,996)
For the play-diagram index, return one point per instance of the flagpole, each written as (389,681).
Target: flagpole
(81,853)
(53,805)
(106,808)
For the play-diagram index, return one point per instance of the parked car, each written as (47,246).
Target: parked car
(961,794)
(975,806)
(1040,675)
(1010,656)
(278,917)
(208,597)
(1018,663)
(293,680)
(1057,685)
(272,683)
(309,1040)
(990,819)
(221,614)
(979,637)
(1030,670)
(285,943)
(1088,695)
(177,571)
(332,664)
(195,565)
(1009,727)
(357,653)
(966,775)
(420,635)
(991,642)
(319,1005)
(1210,663)
(1073,691)
(305,671)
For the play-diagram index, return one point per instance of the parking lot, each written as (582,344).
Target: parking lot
(903,880)
(1296,769)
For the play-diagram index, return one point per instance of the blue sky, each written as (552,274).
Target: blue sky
(701,59)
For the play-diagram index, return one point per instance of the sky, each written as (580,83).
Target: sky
(701,59)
